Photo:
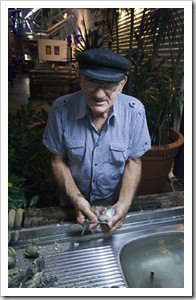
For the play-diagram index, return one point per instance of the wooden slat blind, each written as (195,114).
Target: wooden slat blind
(124,35)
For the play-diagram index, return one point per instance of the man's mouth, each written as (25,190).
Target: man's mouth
(98,100)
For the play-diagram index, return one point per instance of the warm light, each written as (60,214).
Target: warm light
(122,13)
(30,36)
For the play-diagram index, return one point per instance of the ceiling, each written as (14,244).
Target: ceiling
(38,22)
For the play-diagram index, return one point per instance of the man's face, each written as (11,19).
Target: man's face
(100,95)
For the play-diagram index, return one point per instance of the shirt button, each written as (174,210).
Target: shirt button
(95,164)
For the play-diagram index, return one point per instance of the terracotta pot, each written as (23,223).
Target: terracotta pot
(156,164)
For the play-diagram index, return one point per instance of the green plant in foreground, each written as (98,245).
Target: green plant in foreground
(16,194)
(27,156)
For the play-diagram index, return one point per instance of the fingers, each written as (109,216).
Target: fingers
(111,226)
(85,212)
(96,212)
(115,222)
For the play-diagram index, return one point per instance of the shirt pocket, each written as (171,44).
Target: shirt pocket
(118,153)
(75,149)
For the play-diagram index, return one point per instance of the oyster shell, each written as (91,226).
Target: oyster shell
(32,250)
(39,263)
(34,282)
(105,217)
(40,280)
(11,258)
(49,280)
(15,275)
(11,252)
(11,262)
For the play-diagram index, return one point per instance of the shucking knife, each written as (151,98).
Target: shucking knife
(85,225)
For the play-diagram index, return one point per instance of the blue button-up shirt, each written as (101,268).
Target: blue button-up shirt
(97,160)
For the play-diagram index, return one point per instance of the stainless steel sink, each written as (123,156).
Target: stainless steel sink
(100,260)
(154,261)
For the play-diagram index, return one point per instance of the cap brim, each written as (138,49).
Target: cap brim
(110,75)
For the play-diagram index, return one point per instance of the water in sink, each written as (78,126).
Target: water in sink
(154,262)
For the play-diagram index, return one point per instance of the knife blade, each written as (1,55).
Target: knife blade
(85,225)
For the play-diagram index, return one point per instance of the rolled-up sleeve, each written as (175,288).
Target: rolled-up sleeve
(53,132)
(140,137)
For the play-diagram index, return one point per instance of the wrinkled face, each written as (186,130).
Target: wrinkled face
(100,95)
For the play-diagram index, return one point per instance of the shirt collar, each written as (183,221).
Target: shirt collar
(115,109)
(82,109)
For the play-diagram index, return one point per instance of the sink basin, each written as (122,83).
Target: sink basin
(156,261)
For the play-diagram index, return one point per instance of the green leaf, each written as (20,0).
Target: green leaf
(9,184)
(33,200)
(12,206)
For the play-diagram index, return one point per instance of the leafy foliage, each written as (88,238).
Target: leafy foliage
(28,158)
(157,81)
(16,193)
(88,39)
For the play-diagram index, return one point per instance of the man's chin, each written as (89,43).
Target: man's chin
(100,110)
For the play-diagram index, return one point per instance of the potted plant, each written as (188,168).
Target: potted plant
(163,104)
(157,82)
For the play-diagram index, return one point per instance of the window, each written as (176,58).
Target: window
(56,50)
(48,50)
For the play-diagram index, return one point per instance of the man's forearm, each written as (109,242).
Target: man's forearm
(130,181)
(64,178)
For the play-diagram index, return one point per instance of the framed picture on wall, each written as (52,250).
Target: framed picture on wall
(56,50)
(48,50)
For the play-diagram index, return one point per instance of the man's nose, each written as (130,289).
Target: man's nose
(99,92)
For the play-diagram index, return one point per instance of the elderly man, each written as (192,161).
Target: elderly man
(97,136)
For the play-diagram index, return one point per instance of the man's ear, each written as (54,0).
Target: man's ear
(122,84)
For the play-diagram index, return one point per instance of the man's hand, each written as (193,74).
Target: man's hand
(117,220)
(130,181)
(84,211)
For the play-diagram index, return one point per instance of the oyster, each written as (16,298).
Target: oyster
(103,218)
(34,282)
(19,277)
(11,252)
(15,276)
(11,258)
(49,280)
(32,250)
(39,263)
(11,262)
(40,280)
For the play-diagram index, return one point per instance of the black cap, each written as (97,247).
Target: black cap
(103,64)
